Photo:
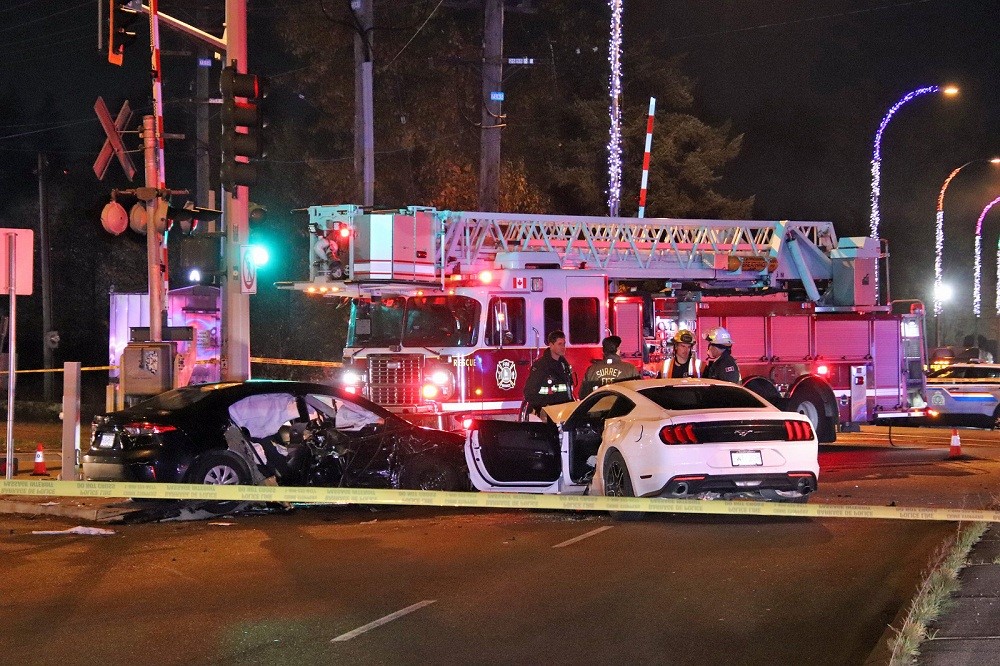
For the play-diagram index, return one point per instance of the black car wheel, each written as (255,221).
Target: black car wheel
(618,483)
(428,473)
(221,468)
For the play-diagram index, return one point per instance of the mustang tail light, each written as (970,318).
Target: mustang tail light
(678,434)
(144,428)
(798,431)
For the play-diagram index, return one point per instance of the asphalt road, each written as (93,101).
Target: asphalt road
(409,585)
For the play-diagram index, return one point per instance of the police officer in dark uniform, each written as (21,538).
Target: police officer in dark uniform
(721,364)
(550,380)
(609,369)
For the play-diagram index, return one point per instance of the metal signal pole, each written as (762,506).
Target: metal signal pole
(236,308)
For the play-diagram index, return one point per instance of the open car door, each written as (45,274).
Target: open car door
(514,456)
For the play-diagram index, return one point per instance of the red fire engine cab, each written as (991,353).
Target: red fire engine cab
(449,309)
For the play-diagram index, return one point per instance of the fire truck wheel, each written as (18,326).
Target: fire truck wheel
(996,419)
(427,473)
(618,483)
(808,402)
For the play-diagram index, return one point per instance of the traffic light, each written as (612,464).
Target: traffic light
(121,15)
(242,127)
(185,219)
(195,259)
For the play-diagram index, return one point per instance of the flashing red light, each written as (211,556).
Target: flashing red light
(430,391)
(466,423)
(798,431)
(486,277)
(351,389)
(344,231)
(678,434)
(823,370)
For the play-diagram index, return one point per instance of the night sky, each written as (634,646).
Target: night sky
(806,81)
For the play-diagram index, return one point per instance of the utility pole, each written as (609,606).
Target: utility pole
(491,118)
(154,273)
(364,114)
(48,338)
(202,136)
(236,207)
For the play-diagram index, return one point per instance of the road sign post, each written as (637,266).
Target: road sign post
(16,279)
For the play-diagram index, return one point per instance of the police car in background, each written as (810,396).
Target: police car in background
(966,394)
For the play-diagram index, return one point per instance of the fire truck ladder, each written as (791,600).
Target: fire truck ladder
(733,253)
(717,250)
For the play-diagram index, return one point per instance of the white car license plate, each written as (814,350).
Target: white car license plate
(746,458)
(107,440)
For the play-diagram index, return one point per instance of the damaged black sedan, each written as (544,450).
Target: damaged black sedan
(271,432)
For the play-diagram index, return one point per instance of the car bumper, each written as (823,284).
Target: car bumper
(682,486)
(135,466)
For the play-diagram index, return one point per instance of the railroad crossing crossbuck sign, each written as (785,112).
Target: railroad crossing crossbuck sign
(248,271)
(113,144)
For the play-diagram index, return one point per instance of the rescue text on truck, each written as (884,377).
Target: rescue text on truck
(449,309)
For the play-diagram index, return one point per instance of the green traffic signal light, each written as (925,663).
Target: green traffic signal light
(259,255)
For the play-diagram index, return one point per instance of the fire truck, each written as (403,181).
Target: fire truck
(449,309)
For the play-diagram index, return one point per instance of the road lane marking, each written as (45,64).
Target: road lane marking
(382,620)
(591,533)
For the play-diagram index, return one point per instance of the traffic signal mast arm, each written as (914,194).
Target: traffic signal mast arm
(715,254)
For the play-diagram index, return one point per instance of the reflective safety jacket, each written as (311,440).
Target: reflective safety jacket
(550,381)
(692,368)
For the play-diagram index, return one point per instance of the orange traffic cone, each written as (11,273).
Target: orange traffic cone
(40,462)
(956,444)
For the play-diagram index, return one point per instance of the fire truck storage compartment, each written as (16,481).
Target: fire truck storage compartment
(394,247)
(790,338)
(889,391)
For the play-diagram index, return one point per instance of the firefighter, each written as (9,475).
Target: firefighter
(683,363)
(550,380)
(721,364)
(609,369)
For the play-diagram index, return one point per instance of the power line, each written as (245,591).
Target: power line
(778,24)
(43,18)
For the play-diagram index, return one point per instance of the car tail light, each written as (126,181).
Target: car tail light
(678,434)
(144,428)
(798,431)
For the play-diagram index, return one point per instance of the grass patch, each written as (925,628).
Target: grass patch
(934,596)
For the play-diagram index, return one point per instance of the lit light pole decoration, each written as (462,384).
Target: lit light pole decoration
(939,231)
(998,275)
(615,89)
(877,160)
(939,238)
(978,276)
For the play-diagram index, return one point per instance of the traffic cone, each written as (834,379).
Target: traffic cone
(40,462)
(956,444)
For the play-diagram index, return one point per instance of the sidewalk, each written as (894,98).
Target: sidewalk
(969,632)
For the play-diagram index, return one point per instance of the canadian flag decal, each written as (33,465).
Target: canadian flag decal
(520,283)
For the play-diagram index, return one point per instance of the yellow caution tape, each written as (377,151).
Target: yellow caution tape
(51,488)
(291,361)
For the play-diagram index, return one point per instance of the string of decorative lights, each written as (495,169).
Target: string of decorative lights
(615,89)
(978,272)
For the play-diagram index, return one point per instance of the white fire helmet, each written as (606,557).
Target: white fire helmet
(720,337)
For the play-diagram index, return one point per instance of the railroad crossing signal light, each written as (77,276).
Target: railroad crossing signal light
(196,259)
(242,127)
(121,15)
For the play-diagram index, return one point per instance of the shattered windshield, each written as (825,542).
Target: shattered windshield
(376,322)
(441,321)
